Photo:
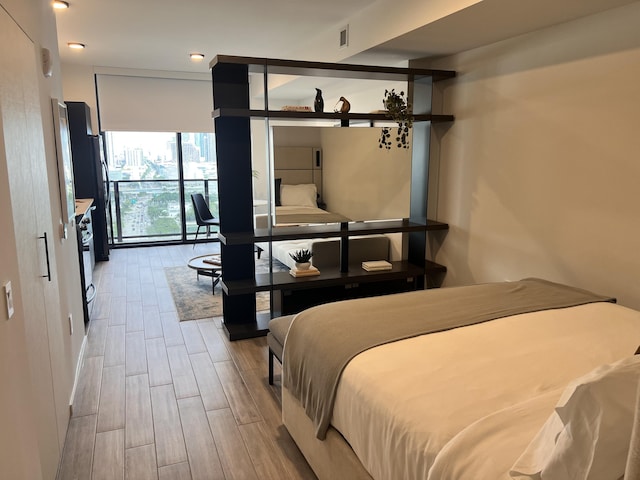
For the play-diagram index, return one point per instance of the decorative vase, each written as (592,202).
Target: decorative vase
(303,266)
(318,104)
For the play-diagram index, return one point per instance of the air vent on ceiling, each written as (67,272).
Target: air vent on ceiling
(344,37)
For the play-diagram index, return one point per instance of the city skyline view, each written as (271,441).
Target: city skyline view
(145,202)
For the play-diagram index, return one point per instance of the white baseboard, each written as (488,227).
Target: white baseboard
(77,375)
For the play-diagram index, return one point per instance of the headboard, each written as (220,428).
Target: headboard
(297,165)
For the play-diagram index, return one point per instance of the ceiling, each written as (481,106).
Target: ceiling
(160,34)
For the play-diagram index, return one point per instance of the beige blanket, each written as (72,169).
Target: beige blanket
(323,339)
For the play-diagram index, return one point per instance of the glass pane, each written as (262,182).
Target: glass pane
(142,155)
(200,176)
(143,169)
(149,211)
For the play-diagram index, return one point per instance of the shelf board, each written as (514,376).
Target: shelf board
(332,70)
(433,267)
(330,230)
(393,226)
(328,277)
(284,114)
(241,331)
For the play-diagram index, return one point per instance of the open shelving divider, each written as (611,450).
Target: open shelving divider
(232,114)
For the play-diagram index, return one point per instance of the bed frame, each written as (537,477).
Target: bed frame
(299,165)
(330,458)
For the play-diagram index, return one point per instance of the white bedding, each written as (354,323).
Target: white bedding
(284,210)
(450,380)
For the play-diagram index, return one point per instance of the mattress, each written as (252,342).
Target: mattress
(451,383)
(302,215)
(292,215)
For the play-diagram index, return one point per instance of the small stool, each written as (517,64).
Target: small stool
(278,328)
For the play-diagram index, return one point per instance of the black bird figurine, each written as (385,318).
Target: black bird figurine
(318,104)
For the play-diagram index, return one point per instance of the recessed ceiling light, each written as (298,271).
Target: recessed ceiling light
(60,5)
(196,57)
(76,45)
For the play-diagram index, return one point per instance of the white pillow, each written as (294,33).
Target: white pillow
(303,195)
(587,436)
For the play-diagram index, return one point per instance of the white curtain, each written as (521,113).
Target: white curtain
(154,104)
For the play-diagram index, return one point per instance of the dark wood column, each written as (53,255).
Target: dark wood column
(233,152)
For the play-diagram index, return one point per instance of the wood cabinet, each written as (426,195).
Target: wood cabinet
(232,114)
(36,376)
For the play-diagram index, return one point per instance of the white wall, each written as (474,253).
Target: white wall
(539,172)
(361,180)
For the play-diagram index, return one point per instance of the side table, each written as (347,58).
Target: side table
(209,266)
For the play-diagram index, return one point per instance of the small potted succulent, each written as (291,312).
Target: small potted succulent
(399,110)
(302,258)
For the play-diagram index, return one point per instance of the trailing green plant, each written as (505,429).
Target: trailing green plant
(399,110)
(301,256)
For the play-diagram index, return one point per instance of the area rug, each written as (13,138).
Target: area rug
(192,296)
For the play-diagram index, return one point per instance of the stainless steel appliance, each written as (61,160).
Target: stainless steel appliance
(88,255)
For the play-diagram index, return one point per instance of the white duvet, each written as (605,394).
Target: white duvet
(467,402)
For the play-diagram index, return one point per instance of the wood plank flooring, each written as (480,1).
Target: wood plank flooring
(161,399)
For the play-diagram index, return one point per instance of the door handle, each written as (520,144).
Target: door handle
(46,251)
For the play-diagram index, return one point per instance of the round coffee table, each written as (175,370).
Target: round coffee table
(208,266)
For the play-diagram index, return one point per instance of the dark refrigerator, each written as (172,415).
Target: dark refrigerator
(90,172)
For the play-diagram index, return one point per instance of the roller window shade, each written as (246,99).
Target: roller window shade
(145,104)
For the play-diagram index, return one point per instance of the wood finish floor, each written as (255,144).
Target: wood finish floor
(163,399)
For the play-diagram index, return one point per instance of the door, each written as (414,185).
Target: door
(23,140)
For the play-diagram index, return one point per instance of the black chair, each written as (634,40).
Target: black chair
(204,218)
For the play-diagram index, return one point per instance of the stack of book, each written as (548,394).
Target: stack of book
(296,108)
(213,260)
(310,272)
(376,265)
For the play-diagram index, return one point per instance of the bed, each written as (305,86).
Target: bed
(479,382)
(297,205)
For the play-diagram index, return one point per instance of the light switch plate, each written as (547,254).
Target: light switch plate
(8,295)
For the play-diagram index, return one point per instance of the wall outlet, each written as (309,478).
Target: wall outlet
(8,295)
(70,324)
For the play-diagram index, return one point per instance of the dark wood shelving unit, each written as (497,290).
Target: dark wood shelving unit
(232,114)
(329,277)
(334,70)
(331,230)
(286,114)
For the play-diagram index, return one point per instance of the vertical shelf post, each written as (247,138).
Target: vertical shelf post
(344,247)
(421,98)
(233,152)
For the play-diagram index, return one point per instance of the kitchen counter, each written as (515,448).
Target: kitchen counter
(83,205)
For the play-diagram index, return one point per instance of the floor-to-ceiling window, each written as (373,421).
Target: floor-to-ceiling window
(152,175)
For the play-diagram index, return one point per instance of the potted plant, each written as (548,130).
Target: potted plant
(302,258)
(399,110)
